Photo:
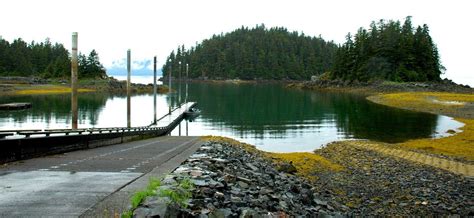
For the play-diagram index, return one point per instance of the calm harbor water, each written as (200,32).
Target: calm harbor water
(267,115)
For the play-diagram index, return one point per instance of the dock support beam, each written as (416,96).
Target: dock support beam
(74,73)
(128,89)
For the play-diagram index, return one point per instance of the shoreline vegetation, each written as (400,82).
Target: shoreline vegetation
(37,86)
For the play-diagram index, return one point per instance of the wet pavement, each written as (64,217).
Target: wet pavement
(75,183)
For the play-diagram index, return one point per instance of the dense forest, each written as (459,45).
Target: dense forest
(257,53)
(45,60)
(388,51)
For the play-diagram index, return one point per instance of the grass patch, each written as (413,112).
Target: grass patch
(140,196)
(179,194)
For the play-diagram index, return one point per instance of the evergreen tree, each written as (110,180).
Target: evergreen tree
(389,51)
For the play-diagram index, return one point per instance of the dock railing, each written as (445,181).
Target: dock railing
(23,144)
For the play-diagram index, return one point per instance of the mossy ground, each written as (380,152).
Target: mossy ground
(458,146)
(85,85)
(424,100)
(308,165)
(45,90)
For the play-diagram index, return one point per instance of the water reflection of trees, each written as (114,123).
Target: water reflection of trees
(251,109)
(47,108)
(366,120)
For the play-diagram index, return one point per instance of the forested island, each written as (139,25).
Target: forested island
(256,53)
(387,51)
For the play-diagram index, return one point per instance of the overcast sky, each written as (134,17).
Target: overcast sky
(153,27)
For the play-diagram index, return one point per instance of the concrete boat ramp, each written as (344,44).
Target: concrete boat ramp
(88,183)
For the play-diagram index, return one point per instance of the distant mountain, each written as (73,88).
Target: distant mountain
(139,68)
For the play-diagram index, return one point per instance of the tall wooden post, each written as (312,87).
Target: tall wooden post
(74,81)
(128,89)
(187,69)
(154,90)
(179,84)
(169,85)
(186,98)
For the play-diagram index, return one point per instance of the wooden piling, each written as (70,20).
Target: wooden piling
(74,73)
(128,88)
(154,90)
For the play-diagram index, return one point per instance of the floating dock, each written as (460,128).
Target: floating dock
(15,106)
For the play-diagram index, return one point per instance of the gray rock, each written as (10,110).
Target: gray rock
(243,184)
(196,173)
(219,195)
(251,166)
(215,184)
(221,213)
(168,181)
(249,213)
(159,209)
(320,202)
(155,200)
(200,182)
(141,212)
(283,204)
(219,160)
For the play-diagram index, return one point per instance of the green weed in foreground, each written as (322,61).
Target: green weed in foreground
(140,196)
(179,195)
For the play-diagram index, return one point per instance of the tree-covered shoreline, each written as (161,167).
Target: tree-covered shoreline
(45,60)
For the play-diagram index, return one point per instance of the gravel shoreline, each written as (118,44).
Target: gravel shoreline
(231,181)
(375,184)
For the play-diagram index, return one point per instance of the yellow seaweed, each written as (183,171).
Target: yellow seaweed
(460,145)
